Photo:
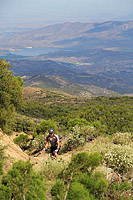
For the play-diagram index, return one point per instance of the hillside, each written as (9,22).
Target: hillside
(74,35)
(93,54)
(12,151)
(39,70)
(63,88)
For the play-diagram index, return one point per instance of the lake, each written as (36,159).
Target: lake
(33,51)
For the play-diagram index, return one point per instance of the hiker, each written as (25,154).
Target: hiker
(54,141)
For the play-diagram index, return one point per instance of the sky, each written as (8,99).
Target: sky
(37,12)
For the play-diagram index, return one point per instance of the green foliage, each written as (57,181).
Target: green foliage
(84,161)
(5,192)
(53,168)
(44,126)
(120,158)
(122,138)
(2,157)
(23,182)
(10,95)
(107,115)
(22,140)
(96,183)
(79,122)
(1,167)
(38,142)
(58,190)
(78,191)
(99,128)
(120,191)
(24,124)
(74,139)
(81,183)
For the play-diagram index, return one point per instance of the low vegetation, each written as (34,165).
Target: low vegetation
(96,134)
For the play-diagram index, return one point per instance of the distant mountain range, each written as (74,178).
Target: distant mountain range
(109,34)
(33,69)
(92,54)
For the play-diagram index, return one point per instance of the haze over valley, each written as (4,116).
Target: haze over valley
(87,43)
(92,54)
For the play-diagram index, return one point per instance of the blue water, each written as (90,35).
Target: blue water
(34,51)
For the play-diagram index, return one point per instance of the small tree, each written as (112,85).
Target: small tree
(23,183)
(10,95)
(81,182)
(22,141)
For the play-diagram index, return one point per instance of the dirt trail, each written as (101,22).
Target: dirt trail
(14,153)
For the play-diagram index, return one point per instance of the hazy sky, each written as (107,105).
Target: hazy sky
(12,11)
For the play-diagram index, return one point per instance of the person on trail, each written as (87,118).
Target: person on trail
(54,141)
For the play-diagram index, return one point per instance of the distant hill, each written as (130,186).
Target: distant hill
(98,54)
(69,72)
(77,35)
(59,84)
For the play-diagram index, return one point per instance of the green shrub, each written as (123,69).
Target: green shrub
(99,128)
(58,190)
(22,140)
(96,184)
(81,183)
(24,183)
(74,139)
(24,124)
(86,161)
(53,168)
(86,131)
(44,126)
(77,192)
(79,122)
(5,192)
(39,142)
(122,138)
(120,191)
(2,157)
(1,167)
(120,158)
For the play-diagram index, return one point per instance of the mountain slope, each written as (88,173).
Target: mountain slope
(79,35)
(70,73)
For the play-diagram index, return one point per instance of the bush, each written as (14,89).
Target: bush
(81,183)
(39,142)
(44,126)
(87,131)
(120,158)
(101,145)
(1,167)
(5,192)
(120,191)
(77,191)
(23,124)
(74,139)
(84,160)
(58,190)
(22,141)
(122,138)
(2,157)
(79,122)
(23,182)
(52,169)
(97,184)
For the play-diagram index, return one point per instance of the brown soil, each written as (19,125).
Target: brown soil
(14,153)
